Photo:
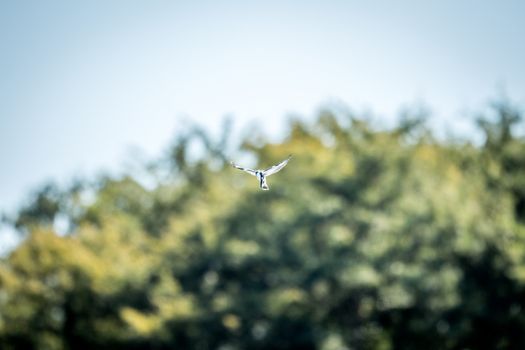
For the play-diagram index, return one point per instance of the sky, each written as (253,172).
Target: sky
(84,85)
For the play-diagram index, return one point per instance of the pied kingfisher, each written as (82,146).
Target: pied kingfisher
(262,174)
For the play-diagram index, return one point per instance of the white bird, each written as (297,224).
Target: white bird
(262,174)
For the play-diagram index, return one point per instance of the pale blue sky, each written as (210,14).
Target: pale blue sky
(82,82)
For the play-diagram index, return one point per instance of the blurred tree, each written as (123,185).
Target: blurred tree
(368,239)
(42,208)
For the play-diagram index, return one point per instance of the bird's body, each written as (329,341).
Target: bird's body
(262,174)
(262,180)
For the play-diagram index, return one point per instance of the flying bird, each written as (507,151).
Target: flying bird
(262,174)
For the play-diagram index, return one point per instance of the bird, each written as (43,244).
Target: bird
(262,174)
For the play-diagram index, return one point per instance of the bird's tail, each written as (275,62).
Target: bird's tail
(263,185)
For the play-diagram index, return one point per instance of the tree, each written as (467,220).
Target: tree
(369,239)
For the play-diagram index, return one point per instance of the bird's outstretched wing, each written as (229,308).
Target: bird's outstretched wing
(248,170)
(276,168)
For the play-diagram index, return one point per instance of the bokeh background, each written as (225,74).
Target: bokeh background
(399,223)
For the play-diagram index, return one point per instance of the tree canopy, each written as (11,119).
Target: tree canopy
(370,238)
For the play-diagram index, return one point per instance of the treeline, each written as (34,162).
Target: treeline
(368,239)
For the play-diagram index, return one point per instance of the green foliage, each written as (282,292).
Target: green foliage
(368,239)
